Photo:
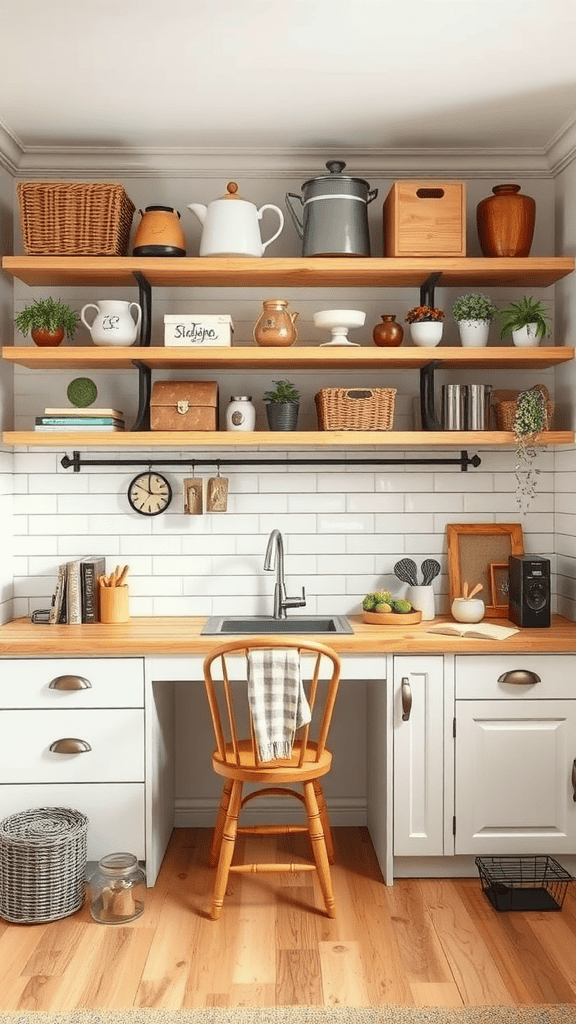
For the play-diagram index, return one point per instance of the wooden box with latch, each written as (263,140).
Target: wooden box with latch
(184,405)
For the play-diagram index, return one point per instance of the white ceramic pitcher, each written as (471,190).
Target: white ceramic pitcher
(114,323)
(230,225)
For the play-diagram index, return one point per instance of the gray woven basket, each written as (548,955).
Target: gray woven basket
(42,864)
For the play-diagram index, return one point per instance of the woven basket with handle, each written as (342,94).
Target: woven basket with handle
(355,408)
(505,407)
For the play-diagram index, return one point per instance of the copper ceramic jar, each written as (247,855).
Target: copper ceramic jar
(506,222)
(388,332)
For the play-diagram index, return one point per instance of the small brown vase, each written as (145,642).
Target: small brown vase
(275,325)
(388,332)
(45,338)
(506,222)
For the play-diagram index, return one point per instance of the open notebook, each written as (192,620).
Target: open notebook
(475,630)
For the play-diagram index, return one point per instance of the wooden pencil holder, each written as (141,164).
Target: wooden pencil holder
(114,604)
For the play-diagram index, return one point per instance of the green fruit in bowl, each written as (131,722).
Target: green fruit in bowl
(377,597)
(369,602)
(402,606)
(382,606)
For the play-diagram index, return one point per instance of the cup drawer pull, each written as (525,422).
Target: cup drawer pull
(519,677)
(70,745)
(69,683)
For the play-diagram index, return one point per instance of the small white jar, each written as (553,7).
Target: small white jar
(240,413)
(468,609)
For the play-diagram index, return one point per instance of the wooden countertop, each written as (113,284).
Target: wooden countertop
(181,635)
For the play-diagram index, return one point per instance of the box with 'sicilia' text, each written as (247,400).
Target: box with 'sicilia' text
(198,329)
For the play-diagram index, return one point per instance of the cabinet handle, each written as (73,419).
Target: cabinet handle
(574,781)
(69,745)
(519,677)
(406,699)
(70,683)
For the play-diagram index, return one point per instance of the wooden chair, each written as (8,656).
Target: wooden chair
(236,759)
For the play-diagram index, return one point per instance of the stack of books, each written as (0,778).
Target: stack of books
(75,599)
(77,420)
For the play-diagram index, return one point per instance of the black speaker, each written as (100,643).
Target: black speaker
(529,594)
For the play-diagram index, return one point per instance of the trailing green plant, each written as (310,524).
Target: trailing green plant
(423,314)
(47,315)
(474,307)
(284,392)
(519,314)
(531,418)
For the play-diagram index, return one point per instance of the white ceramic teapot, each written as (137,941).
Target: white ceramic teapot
(113,323)
(230,225)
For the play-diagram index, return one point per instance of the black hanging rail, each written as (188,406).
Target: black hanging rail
(77,462)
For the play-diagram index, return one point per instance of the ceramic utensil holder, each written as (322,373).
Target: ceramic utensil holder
(422,599)
(114,604)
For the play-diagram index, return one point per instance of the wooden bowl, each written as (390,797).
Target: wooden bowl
(391,618)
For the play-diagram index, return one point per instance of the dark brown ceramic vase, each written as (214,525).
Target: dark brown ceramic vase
(45,338)
(388,332)
(506,222)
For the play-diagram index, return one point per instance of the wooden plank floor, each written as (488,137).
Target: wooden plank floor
(421,942)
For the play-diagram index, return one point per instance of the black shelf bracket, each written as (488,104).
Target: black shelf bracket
(427,289)
(430,421)
(144,372)
(77,462)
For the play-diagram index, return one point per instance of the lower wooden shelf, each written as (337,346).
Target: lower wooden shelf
(281,439)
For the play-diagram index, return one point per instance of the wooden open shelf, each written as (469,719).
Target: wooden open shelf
(280,439)
(302,358)
(297,272)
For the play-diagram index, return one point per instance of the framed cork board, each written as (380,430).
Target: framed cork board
(472,549)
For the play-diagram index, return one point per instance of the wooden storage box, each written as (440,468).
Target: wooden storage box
(425,218)
(184,405)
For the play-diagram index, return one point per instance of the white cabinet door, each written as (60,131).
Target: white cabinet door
(514,764)
(418,756)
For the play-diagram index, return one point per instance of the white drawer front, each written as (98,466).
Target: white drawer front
(477,676)
(116,739)
(115,812)
(114,683)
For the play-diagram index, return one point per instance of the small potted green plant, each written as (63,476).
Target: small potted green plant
(474,313)
(282,405)
(425,324)
(47,321)
(527,321)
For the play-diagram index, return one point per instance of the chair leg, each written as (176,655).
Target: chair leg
(324,818)
(226,850)
(219,826)
(319,847)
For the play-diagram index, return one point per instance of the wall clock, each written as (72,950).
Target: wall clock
(149,493)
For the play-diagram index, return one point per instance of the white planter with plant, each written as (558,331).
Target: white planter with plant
(426,325)
(474,313)
(527,321)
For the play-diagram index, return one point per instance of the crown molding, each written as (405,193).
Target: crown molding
(188,162)
(561,150)
(11,150)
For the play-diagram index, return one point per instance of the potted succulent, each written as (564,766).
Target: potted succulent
(47,321)
(282,405)
(474,313)
(425,324)
(527,321)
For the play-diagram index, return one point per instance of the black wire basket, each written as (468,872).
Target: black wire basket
(523,883)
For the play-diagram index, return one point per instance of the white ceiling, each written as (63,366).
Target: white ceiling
(287,74)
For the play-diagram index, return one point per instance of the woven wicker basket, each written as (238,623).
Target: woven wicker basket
(65,218)
(42,864)
(355,408)
(505,408)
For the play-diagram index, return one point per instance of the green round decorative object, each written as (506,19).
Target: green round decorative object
(82,392)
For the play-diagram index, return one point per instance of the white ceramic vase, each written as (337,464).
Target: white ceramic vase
(422,599)
(427,333)
(113,323)
(526,337)
(473,333)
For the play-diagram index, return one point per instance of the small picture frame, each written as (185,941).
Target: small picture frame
(499,584)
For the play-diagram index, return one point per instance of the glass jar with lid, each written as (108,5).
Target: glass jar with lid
(117,889)
(240,413)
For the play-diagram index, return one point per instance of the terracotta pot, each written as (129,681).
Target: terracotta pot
(45,338)
(388,332)
(506,222)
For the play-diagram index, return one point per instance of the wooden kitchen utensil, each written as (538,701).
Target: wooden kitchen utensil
(193,496)
(217,494)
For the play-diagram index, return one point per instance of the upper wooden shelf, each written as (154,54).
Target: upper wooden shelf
(297,272)
(303,358)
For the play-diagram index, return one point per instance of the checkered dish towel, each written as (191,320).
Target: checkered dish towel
(277,700)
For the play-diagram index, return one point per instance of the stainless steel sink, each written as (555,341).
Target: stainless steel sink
(230,625)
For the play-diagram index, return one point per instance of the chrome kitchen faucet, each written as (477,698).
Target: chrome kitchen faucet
(274,559)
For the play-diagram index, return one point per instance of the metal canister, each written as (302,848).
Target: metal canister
(453,406)
(335,213)
(478,407)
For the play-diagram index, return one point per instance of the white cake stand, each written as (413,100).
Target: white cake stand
(339,322)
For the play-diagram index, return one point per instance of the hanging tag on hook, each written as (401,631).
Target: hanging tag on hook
(193,495)
(217,493)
